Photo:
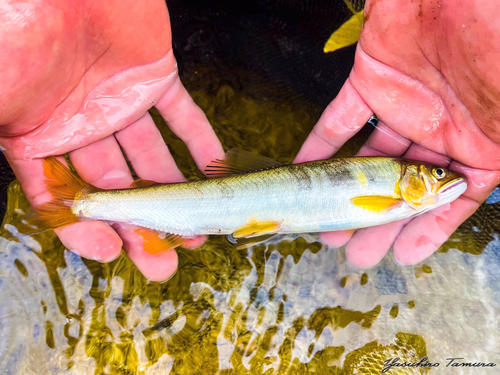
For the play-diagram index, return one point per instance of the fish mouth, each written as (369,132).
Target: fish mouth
(452,185)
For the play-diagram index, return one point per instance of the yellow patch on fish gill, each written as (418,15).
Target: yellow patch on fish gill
(413,191)
(397,189)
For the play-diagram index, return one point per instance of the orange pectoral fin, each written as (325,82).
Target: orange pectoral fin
(376,203)
(257,228)
(154,243)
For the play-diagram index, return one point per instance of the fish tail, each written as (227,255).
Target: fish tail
(65,187)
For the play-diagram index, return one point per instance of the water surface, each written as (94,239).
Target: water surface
(291,306)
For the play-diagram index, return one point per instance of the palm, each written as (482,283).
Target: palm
(84,88)
(420,68)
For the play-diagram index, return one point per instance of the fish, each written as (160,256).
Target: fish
(251,198)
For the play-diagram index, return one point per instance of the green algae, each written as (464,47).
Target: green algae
(394,311)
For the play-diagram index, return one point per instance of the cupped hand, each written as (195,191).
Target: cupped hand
(79,77)
(430,70)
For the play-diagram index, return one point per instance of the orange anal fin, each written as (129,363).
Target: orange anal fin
(155,243)
(257,228)
(143,183)
(376,203)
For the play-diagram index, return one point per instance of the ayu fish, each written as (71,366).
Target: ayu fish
(251,198)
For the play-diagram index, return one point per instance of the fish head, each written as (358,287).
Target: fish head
(424,186)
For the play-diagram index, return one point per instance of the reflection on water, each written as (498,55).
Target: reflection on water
(291,306)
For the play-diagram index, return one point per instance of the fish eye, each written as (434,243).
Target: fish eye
(439,173)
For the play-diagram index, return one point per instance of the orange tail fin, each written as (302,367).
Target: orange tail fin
(64,186)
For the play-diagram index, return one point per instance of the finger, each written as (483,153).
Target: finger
(102,165)
(480,182)
(384,142)
(190,124)
(155,267)
(417,152)
(194,242)
(147,152)
(426,233)
(399,100)
(94,240)
(336,239)
(369,245)
(30,174)
(343,118)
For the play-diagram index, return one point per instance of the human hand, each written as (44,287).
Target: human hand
(431,73)
(79,78)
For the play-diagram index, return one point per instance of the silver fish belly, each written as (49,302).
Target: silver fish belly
(309,197)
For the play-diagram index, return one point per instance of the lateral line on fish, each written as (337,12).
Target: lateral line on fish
(301,198)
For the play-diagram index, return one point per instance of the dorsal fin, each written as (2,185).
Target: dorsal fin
(237,161)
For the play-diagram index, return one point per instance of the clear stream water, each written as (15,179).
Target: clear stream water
(291,306)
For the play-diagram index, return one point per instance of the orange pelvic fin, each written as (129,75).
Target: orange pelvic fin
(143,183)
(257,228)
(155,243)
(64,186)
(376,203)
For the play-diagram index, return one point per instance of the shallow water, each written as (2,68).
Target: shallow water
(291,306)
(288,307)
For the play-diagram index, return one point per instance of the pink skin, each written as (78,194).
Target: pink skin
(431,73)
(81,77)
